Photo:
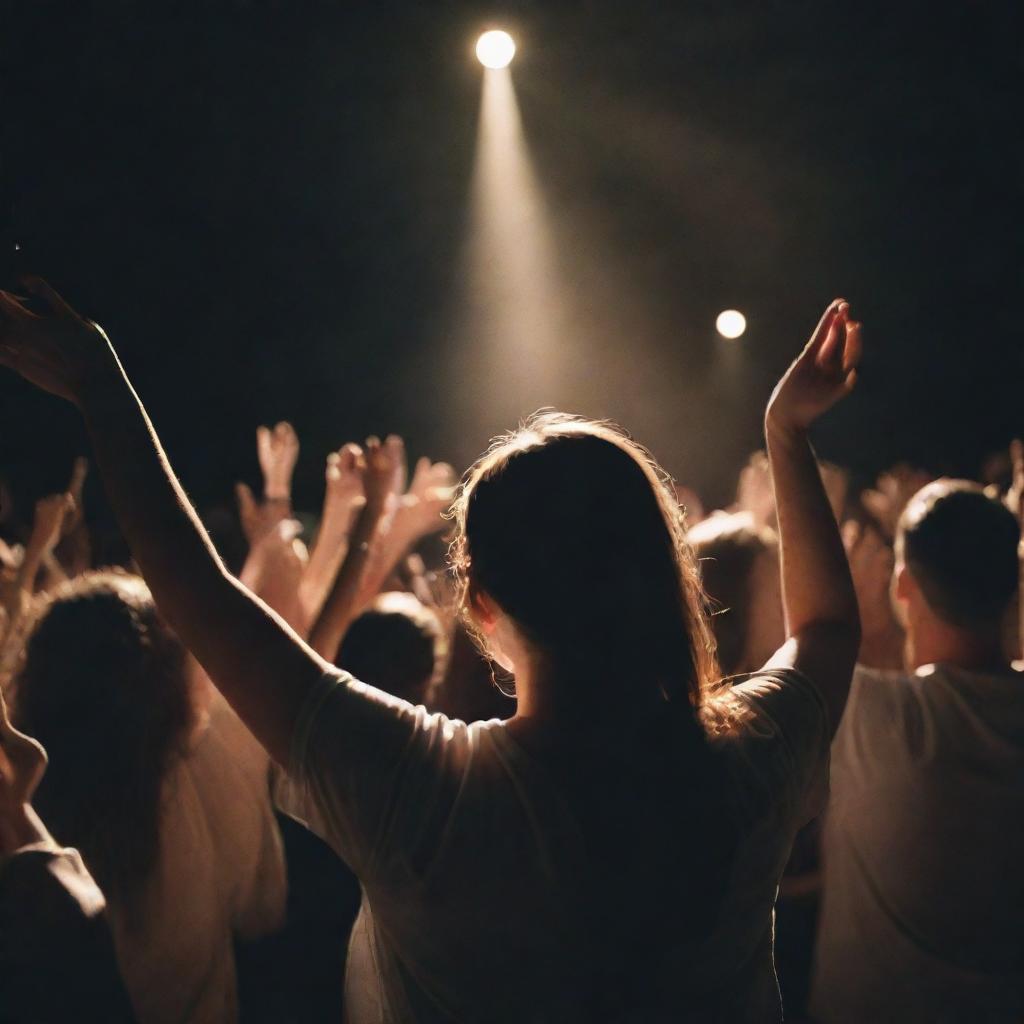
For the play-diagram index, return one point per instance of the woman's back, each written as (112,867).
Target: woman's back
(503,883)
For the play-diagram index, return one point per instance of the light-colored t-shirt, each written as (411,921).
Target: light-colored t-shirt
(923,903)
(484,898)
(220,874)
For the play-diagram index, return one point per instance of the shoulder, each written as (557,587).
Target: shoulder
(782,737)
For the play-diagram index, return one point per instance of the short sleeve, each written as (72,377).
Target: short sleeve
(788,735)
(376,774)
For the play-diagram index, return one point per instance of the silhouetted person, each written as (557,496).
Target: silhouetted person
(160,789)
(923,910)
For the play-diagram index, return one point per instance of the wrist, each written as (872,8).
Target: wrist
(780,431)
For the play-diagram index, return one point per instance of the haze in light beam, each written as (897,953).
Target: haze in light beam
(509,355)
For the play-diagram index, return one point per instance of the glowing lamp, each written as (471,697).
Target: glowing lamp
(731,323)
(495,49)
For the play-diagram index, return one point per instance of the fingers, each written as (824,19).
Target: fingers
(820,333)
(830,351)
(285,436)
(852,350)
(78,474)
(246,500)
(263,437)
(394,447)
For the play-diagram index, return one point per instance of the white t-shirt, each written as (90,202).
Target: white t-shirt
(923,904)
(477,873)
(220,873)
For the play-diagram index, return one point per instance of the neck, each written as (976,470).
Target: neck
(934,644)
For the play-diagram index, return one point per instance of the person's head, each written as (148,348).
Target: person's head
(570,554)
(739,564)
(394,645)
(956,563)
(103,688)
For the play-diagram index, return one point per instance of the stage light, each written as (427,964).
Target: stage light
(731,323)
(495,49)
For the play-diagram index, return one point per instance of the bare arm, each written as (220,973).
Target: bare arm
(822,621)
(342,602)
(343,497)
(258,663)
(419,513)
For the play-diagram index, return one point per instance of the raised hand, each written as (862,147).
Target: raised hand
(278,451)
(258,518)
(56,349)
(385,470)
(52,514)
(818,596)
(274,568)
(823,373)
(76,485)
(344,488)
(421,510)
(343,498)
(891,493)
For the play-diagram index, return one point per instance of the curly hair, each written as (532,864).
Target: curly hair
(103,687)
(574,530)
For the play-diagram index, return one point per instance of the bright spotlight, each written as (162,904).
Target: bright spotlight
(731,323)
(495,49)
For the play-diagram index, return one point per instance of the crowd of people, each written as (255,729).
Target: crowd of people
(549,744)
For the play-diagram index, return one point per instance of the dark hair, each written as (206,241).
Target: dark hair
(571,527)
(727,548)
(103,687)
(961,546)
(394,645)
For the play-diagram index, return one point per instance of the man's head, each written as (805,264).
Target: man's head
(395,645)
(956,559)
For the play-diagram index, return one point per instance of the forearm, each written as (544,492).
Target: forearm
(816,584)
(384,559)
(341,603)
(325,560)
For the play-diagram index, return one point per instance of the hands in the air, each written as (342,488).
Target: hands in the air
(55,349)
(277,450)
(421,509)
(50,523)
(824,373)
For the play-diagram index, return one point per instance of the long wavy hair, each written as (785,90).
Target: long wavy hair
(574,530)
(103,687)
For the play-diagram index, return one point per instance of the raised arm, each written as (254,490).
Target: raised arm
(343,497)
(377,466)
(822,622)
(258,663)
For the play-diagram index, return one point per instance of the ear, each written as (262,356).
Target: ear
(904,585)
(485,612)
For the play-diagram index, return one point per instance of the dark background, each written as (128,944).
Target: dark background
(264,204)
